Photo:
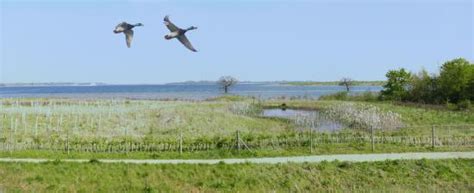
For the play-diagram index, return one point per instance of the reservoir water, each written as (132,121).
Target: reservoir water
(175,91)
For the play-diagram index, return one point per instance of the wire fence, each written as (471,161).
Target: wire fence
(122,126)
(309,139)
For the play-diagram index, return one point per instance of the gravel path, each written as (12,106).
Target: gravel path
(275,160)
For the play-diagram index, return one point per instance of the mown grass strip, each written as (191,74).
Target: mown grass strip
(387,176)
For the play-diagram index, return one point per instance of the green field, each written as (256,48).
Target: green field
(147,129)
(390,176)
(158,119)
(72,128)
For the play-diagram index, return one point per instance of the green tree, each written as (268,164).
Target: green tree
(397,85)
(455,80)
(470,88)
(423,88)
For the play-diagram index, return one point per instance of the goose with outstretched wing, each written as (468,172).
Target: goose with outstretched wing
(176,32)
(126,28)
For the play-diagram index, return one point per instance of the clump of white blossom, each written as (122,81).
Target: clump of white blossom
(364,116)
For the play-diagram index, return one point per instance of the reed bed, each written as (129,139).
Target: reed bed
(25,119)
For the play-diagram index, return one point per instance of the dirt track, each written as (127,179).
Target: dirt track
(274,160)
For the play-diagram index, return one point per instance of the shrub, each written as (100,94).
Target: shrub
(464,105)
(94,161)
(345,96)
(397,84)
(454,83)
(424,89)
(365,96)
(335,96)
(454,79)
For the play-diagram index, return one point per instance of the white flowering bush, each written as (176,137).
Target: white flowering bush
(317,121)
(364,116)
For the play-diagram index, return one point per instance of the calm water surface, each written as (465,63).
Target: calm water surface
(174,91)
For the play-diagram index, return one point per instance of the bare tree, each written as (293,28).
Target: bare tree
(347,82)
(227,81)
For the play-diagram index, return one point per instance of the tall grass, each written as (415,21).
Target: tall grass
(246,108)
(25,119)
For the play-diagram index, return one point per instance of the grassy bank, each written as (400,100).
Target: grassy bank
(399,176)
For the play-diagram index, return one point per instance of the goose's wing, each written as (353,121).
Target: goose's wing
(185,42)
(170,25)
(128,37)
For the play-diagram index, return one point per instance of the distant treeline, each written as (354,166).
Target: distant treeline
(453,84)
(51,84)
(334,83)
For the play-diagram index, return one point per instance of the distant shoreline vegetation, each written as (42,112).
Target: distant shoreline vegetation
(288,83)
(52,84)
(333,83)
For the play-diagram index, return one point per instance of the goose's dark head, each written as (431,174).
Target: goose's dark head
(191,28)
(138,24)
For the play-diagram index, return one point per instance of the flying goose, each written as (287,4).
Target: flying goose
(127,30)
(176,32)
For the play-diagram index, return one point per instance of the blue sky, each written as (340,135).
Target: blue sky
(72,41)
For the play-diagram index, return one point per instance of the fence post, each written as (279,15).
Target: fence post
(238,140)
(99,122)
(372,138)
(311,140)
(180,143)
(433,137)
(36,126)
(11,138)
(1,121)
(75,124)
(67,141)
